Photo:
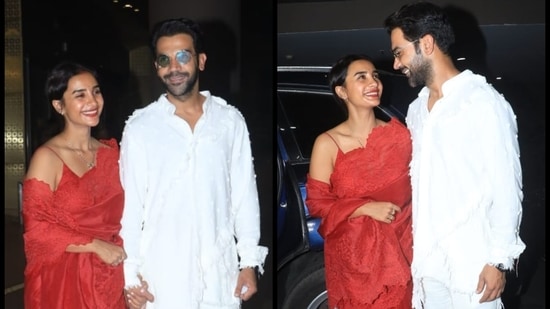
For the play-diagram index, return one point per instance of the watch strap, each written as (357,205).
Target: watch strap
(498,266)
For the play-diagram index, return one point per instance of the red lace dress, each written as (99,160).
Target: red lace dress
(82,208)
(367,262)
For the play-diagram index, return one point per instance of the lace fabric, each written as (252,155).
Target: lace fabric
(81,209)
(367,262)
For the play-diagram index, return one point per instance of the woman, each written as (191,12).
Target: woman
(73,204)
(358,183)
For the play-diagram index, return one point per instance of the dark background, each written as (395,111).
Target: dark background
(498,38)
(100,33)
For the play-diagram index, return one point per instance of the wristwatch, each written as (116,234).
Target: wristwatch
(256,270)
(498,266)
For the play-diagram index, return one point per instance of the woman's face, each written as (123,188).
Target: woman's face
(82,102)
(362,85)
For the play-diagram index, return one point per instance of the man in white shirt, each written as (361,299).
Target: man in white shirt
(465,169)
(191,222)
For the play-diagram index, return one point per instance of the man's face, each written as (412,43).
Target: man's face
(420,70)
(178,64)
(408,59)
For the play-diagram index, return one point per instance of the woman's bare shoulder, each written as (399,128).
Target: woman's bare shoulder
(46,152)
(45,163)
(327,139)
(380,122)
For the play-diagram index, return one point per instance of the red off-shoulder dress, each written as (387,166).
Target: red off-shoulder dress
(367,262)
(80,209)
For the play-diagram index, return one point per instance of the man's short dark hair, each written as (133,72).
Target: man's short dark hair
(420,18)
(170,27)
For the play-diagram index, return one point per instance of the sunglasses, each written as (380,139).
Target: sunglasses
(182,56)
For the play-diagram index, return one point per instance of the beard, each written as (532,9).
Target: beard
(420,71)
(184,88)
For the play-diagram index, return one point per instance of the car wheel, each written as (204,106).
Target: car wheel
(309,292)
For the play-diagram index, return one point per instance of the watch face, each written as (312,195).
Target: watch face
(498,266)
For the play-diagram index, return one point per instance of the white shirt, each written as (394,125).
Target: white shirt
(191,204)
(466,184)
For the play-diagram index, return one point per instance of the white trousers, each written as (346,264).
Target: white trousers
(438,296)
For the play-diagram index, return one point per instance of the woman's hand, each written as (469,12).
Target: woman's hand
(381,211)
(109,253)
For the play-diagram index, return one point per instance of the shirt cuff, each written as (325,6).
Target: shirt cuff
(131,275)
(253,256)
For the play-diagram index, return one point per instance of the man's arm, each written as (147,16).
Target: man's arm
(503,161)
(133,165)
(245,200)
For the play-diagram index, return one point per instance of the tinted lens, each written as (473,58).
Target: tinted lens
(183,56)
(163,61)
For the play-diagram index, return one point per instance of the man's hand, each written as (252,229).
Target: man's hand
(246,284)
(491,282)
(137,297)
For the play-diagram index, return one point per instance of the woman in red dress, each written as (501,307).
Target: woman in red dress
(72,204)
(359,185)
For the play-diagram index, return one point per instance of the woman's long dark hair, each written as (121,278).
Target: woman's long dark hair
(56,84)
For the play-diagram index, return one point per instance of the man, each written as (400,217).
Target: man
(465,169)
(191,223)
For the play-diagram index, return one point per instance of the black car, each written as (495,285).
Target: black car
(305,109)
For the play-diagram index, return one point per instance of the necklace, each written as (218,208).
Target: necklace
(80,154)
(359,141)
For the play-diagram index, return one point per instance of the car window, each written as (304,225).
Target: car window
(310,114)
